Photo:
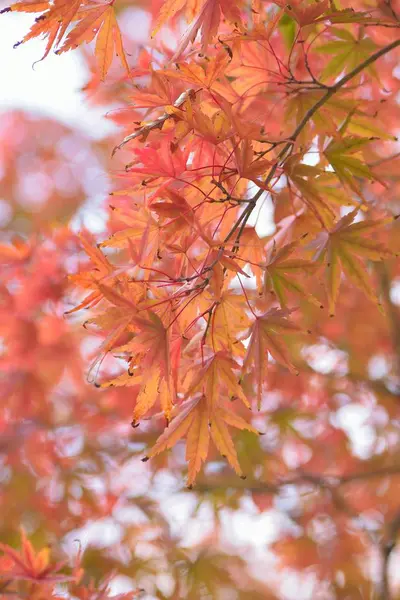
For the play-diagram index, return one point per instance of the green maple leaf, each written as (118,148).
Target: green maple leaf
(347,53)
(343,160)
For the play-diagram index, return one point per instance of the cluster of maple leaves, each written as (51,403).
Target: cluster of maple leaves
(178,305)
(255,104)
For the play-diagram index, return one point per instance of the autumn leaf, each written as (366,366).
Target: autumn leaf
(280,272)
(344,157)
(228,323)
(18,251)
(202,75)
(248,165)
(197,441)
(303,12)
(100,21)
(53,23)
(346,52)
(207,23)
(191,421)
(102,270)
(305,178)
(28,6)
(32,566)
(217,372)
(196,424)
(342,249)
(265,337)
(168,10)
(141,236)
(93,19)
(151,350)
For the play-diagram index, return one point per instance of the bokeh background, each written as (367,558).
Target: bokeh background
(70,464)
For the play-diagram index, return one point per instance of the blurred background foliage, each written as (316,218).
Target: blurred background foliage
(318,514)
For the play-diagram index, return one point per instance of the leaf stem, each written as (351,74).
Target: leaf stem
(331,91)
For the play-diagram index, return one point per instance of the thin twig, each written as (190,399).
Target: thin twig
(316,480)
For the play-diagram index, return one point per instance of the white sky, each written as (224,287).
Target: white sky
(52,86)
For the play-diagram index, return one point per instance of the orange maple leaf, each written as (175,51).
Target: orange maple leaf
(30,565)
(304,13)
(194,422)
(157,356)
(99,20)
(279,271)
(94,18)
(265,338)
(343,247)
(89,279)
(207,23)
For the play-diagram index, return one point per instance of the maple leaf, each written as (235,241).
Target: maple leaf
(179,427)
(265,337)
(340,154)
(222,438)
(323,121)
(202,75)
(102,270)
(249,166)
(99,20)
(159,162)
(255,65)
(52,24)
(31,566)
(18,251)
(205,413)
(346,53)
(174,111)
(279,270)
(141,236)
(207,23)
(93,19)
(167,11)
(342,247)
(217,371)
(304,12)
(305,179)
(159,93)
(153,366)
(197,441)
(196,424)
(228,323)
(181,214)
(28,6)
(215,129)
(125,312)
(252,252)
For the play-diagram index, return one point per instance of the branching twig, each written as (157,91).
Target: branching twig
(316,480)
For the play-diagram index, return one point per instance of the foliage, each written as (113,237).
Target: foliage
(270,344)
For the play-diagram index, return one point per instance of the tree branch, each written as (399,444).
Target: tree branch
(310,113)
(208,484)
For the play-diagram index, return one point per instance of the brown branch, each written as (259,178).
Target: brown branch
(322,481)
(311,112)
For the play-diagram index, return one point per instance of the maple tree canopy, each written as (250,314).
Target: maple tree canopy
(241,302)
